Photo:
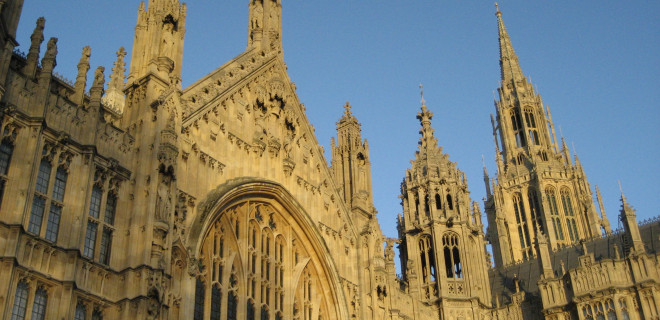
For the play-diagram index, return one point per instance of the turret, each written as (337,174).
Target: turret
(351,164)
(158,45)
(441,232)
(265,28)
(81,79)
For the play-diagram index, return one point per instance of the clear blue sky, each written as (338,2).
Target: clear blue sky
(596,64)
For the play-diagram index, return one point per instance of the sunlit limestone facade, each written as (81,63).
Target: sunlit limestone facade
(140,199)
(538,187)
(442,247)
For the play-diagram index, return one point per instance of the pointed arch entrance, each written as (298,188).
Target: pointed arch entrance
(260,257)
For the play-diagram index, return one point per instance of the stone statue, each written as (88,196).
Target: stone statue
(167,45)
(164,199)
(99,78)
(389,249)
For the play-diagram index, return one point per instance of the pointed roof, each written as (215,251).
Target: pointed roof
(509,65)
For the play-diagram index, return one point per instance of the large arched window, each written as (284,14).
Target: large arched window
(521,222)
(570,215)
(453,266)
(554,213)
(245,276)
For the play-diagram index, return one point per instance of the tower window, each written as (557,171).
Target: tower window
(554,213)
(531,127)
(452,255)
(438,202)
(570,216)
(537,223)
(427,259)
(521,221)
(450,204)
(516,125)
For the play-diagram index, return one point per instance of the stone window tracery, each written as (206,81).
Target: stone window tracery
(100,219)
(39,305)
(262,265)
(623,306)
(428,263)
(554,213)
(570,215)
(45,201)
(537,223)
(453,266)
(531,127)
(521,222)
(599,310)
(6,151)
(81,312)
(20,301)
(517,126)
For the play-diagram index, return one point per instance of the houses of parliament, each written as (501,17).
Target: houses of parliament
(137,198)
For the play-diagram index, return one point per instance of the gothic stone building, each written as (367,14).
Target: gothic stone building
(139,199)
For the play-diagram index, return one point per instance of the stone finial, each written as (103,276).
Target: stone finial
(421,93)
(81,79)
(114,98)
(616,252)
(604,222)
(99,78)
(49,61)
(425,116)
(37,39)
(96,92)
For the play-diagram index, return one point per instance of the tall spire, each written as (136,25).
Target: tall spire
(509,65)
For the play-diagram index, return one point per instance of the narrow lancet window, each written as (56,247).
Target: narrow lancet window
(453,266)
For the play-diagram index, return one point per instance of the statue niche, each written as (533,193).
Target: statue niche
(164,199)
(167,45)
